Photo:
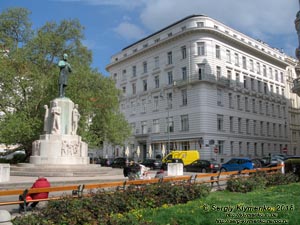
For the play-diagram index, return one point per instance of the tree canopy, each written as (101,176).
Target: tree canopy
(29,80)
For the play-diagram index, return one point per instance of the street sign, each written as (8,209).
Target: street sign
(284,150)
(216,150)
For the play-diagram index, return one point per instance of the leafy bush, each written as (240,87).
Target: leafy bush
(108,207)
(279,178)
(259,180)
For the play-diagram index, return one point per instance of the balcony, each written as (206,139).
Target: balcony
(211,78)
(296,86)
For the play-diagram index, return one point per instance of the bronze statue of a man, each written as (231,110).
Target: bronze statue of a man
(65,70)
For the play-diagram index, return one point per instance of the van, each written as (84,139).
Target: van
(187,156)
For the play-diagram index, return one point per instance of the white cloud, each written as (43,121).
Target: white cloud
(256,17)
(129,31)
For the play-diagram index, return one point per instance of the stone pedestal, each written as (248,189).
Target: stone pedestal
(4,172)
(60,145)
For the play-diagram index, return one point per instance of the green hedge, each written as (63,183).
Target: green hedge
(104,208)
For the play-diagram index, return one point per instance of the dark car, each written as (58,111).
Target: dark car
(238,164)
(106,161)
(120,162)
(202,166)
(152,163)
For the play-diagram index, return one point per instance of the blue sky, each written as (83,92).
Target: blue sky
(111,25)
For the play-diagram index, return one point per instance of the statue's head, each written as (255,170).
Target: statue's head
(65,57)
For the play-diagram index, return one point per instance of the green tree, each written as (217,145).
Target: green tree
(29,80)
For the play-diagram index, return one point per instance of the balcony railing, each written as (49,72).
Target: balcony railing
(296,87)
(203,77)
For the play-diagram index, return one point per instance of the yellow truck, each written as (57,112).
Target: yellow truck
(187,156)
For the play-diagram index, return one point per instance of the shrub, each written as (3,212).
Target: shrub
(259,180)
(106,207)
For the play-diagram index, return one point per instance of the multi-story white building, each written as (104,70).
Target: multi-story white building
(216,89)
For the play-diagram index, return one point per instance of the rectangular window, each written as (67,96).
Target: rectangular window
(170,59)
(258,68)
(237,79)
(145,69)
(201,71)
(144,85)
(264,70)
(238,99)
(247,104)
(155,103)
(268,128)
(254,127)
(253,105)
(247,126)
(251,65)
(244,62)
(200,24)
(144,127)
(276,75)
(156,62)
(240,125)
(259,86)
(236,59)
(221,147)
(183,52)
(228,56)
(170,77)
(144,105)
(184,73)
(184,96)
(281,77)
(201,48)
(218,52)
(231,124)
(133,88)
(230,100)
(270,73)
(252,84)
(218,71)
(219,97)
(170,100)
(155,126)
(134,71)
(260,105)
(245,82)
(262,128)
(267,109)
(156,81)
(184,123)
(220,120)
(171,124)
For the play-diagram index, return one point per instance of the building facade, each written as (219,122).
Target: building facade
(199,84)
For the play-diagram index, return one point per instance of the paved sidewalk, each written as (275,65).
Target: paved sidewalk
(21,182)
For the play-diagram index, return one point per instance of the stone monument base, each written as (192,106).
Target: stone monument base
(32,170)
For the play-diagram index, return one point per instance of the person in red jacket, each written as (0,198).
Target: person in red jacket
(41,182)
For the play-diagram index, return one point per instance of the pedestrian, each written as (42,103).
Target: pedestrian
(160,174)
(41,182)
(126,170)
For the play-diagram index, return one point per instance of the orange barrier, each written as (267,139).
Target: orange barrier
(78,190)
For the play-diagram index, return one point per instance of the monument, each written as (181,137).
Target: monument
(59,150)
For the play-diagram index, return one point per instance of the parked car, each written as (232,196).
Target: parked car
(202,166)
(120,162)
(152,163)
(106,161)
(238,164)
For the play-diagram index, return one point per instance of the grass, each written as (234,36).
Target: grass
(274,205)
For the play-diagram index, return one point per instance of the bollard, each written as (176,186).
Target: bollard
(5,217)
